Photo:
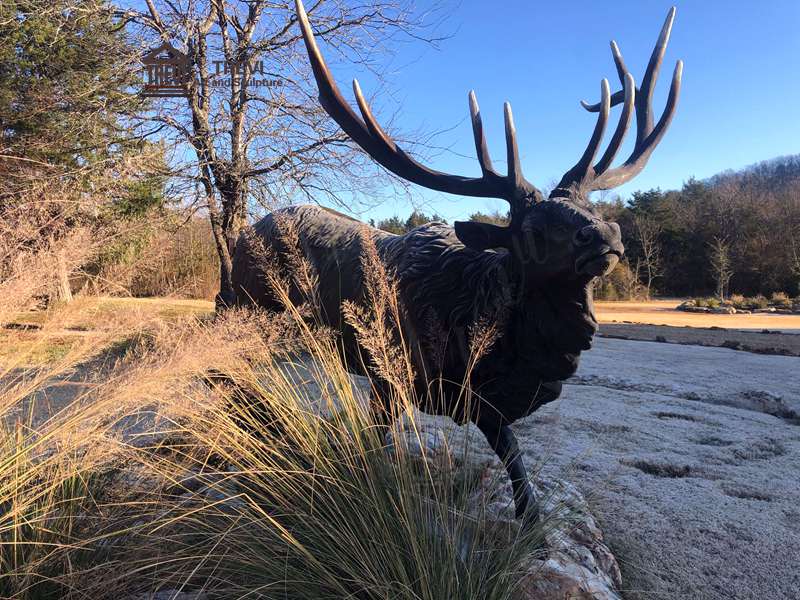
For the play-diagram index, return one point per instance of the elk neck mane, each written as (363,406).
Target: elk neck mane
(439,275)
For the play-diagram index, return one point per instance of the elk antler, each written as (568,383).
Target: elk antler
(368,134)
(585,177)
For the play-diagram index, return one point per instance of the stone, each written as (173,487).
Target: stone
(723,310)
(560,578)
(696,309)
(423,443)
(574,562)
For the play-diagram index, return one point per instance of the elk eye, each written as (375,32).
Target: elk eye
(583,236)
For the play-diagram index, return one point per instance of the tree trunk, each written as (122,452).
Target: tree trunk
(227,228)
(63,292)
(226,296)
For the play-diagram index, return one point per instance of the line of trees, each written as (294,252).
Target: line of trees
(74,176)
(736,233)
(87,204)
(82,151)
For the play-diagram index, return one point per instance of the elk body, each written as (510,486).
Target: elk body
(533,278)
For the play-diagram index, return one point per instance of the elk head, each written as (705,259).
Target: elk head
(561,237)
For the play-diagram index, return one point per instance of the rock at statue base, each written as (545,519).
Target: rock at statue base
(574,562)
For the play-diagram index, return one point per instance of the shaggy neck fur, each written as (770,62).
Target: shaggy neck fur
(543,326)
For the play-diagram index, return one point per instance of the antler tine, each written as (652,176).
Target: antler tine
(583,168)
(599,128)
(512,151)
(368,134)
(641,153)
(374,128)
(622,127)
(651,74)
(329,95)
(644,100)
(622,70)
(481,148)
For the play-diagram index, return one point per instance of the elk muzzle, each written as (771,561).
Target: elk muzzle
(599,248)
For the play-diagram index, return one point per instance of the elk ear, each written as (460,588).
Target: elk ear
(482,236)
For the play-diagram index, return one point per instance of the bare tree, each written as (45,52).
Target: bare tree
(629,278)
(721,265)
(250,116)
(794,258)
(648,232)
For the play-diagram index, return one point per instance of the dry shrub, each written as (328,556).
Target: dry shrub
(378,322)
(310,507)
(781,300)
(100,229)
(43,242)
(42,271)
(738,300)
(166,257)
(621,284)
(294,266)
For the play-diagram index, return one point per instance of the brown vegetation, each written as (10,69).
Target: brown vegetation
(148,479)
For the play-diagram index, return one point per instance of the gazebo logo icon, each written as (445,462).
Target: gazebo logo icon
(167,73)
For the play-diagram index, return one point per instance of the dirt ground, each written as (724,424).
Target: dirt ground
(658,321)
(662,312)
(89,335)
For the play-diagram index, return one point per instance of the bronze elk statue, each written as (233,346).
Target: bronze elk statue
(535,275)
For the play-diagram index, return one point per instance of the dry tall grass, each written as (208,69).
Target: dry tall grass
(238,458)
(171,257)
(39,250)
(56,240)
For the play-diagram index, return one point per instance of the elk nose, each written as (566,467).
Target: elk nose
(615,239)
(585,235)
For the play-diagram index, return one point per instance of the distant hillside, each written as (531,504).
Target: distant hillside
(780,172)
(735,232)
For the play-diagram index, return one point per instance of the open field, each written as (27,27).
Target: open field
(661,312)
(35,338)
(658,321)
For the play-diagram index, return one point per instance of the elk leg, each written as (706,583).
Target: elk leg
(504,443)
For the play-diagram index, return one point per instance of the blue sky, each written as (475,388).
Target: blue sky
(739,101)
